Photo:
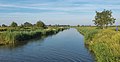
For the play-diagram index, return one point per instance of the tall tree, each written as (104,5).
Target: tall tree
(13,24)
(27,24)
(104,18)
(40,24)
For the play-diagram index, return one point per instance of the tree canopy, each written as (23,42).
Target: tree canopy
(27,24)
(3,25)
(13,24)
(104,18)
(40,24)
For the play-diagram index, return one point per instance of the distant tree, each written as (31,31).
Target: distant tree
(21,25)
(78,25)
(27,24)
(82,25)
(3,25)
(104,18)
(40,24)
(13,24)
(34,24)
(50,25)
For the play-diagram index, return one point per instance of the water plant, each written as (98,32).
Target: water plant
(105,44)
(13,36)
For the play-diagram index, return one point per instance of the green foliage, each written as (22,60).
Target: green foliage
(105,44)
(21,36)
(3,29)
(13,36)
(78,25)
(3,25)
(40,24)
(88,32)
(26,24)
(104,18)
(13,24)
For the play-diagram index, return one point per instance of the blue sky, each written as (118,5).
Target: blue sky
(71,12)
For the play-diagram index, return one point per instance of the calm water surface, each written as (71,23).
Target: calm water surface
(66,46)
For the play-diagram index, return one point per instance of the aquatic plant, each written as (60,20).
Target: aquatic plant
(13,36)
(105,44)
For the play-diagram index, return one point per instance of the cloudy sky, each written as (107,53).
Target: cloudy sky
(71,12)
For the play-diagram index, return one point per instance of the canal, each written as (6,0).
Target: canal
(66,46)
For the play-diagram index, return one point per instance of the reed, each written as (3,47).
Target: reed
(105,44)
(13,36)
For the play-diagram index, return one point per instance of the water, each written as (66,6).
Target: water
(66,46)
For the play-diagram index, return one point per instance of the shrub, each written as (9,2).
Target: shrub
(13,24)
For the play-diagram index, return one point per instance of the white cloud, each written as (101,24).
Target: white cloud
(64,10)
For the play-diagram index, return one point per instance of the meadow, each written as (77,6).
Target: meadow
(103,43)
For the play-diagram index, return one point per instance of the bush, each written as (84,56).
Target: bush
(13,24)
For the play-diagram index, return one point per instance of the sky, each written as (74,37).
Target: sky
(72,12)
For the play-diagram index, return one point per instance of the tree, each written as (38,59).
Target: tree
(104,18)
(3,25)
(27,24)
(40,24)
(21,25)
(78,25)
(13,24)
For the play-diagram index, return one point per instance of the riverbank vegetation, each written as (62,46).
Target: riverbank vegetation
(15,34)
(103,40)
(104,43)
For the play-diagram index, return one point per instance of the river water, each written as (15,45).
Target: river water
(66,46)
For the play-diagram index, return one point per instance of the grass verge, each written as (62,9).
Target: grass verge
(105,44)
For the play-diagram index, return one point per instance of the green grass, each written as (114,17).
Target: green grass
(105,44)
(9,37)
(14,35)
(88,32)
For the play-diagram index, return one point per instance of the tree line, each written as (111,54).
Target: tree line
(102,20)
(26,24)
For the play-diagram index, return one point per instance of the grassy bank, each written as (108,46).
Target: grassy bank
(14,36)
(105,44)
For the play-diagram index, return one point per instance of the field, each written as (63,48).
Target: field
(104,43)
(13,35)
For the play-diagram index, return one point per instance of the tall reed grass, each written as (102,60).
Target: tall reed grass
(105,44)
(13,37)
